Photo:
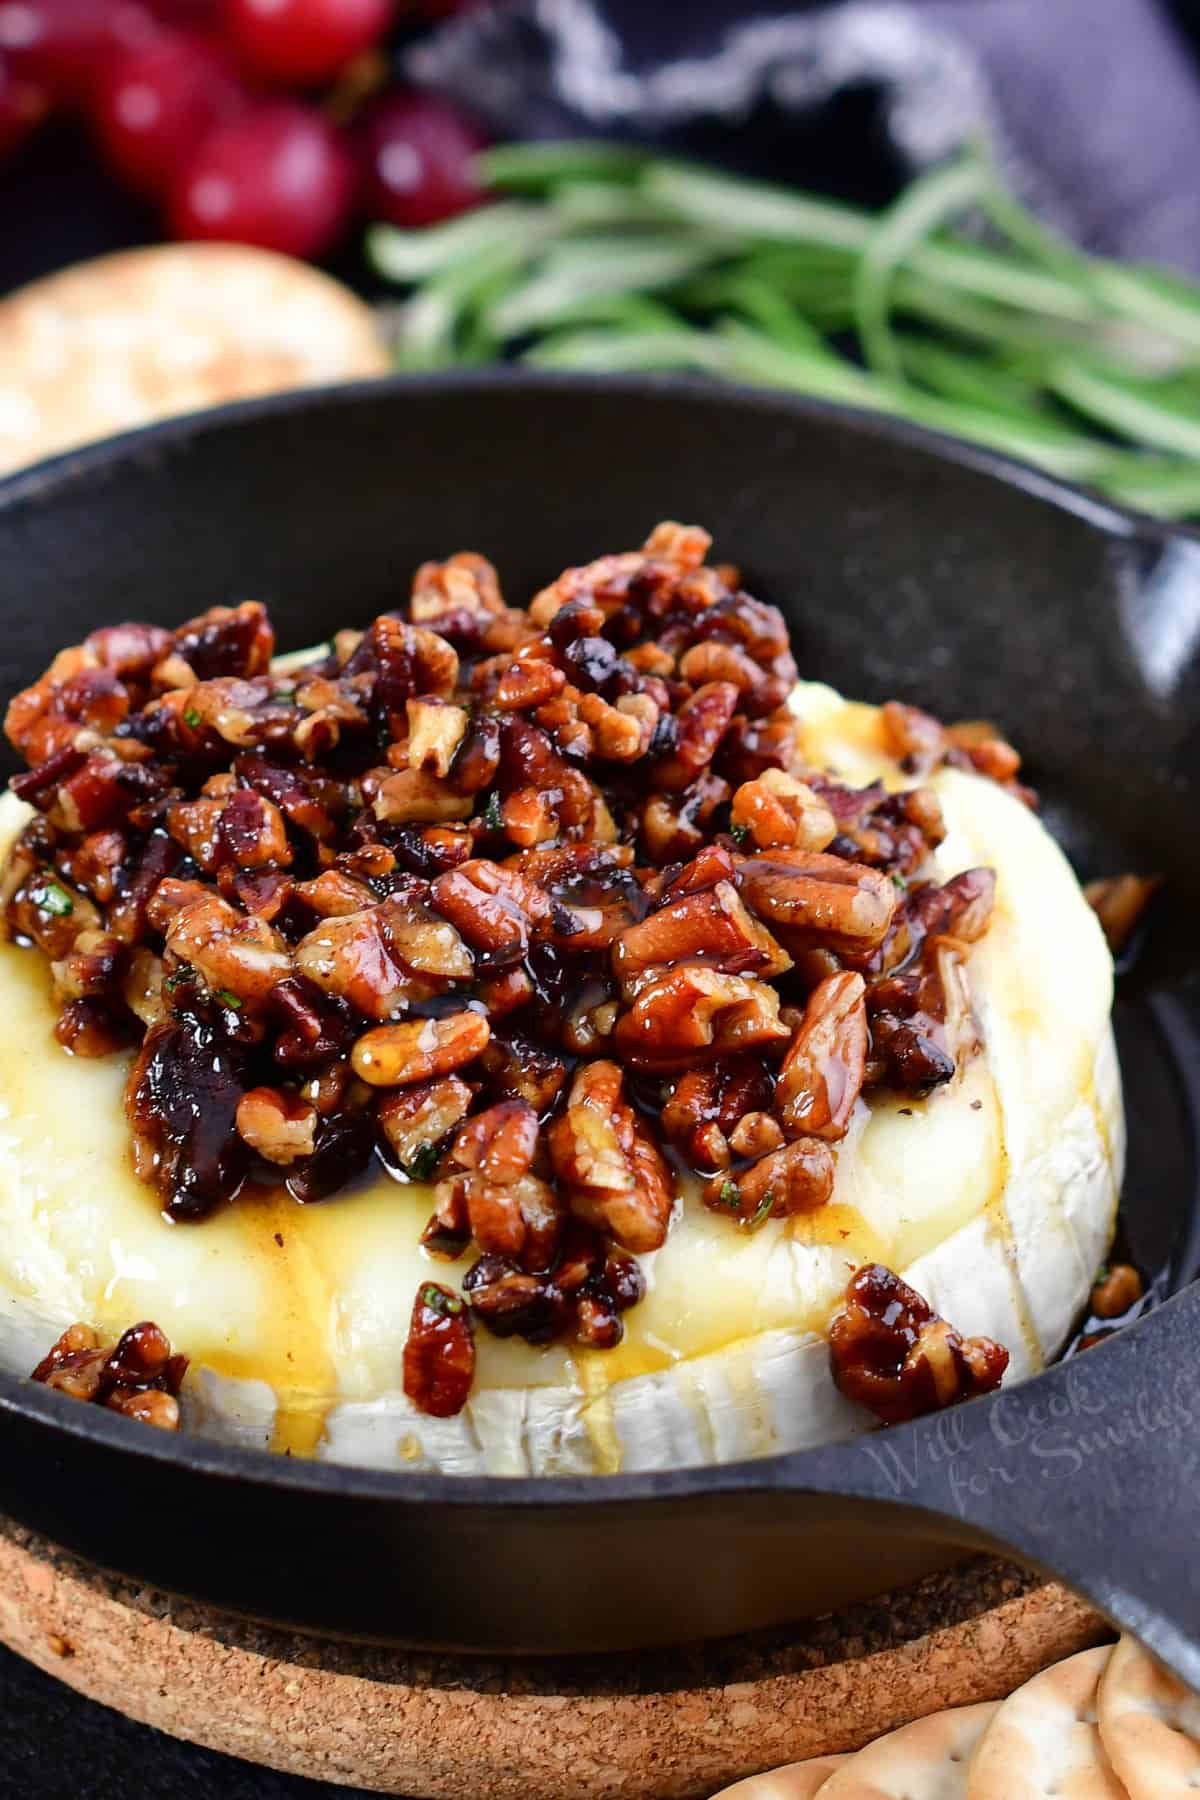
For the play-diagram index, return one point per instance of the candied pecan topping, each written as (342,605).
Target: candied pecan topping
(811,896)
(182,1101)
(541,906)
(922,743)
(1117,1288)
(139,1376)
(280,1126)
(894,1355)
(612,1171)
(779,812)
(821,1076)
(706,1108)
(439,1356)
(797,1178)
(414,1120)
(1119,902)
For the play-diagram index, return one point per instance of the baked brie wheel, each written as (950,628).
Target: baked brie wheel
(491,1077)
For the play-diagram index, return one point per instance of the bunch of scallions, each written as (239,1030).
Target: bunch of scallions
(954,307)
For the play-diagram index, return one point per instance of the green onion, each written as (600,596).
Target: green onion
(493,818)
(761,1213)
(729,1197)
(191,717)
(604,257)
(423,1163)
(447,1306)
(51,898)
(228,998)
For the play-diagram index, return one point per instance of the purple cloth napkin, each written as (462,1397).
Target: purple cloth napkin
(1092,106)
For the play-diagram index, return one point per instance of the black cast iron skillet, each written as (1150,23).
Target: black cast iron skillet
(906,566)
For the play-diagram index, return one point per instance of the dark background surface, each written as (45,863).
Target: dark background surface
(54,1745)
(1097,104)
(1093,107)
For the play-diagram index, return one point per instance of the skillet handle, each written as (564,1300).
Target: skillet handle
(1091,1472)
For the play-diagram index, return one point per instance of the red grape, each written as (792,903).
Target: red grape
(151,107)
(280,178)
(417,154)
(23,106)
(63,43)
(303,41)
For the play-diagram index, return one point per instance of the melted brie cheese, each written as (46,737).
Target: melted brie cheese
(995,1196)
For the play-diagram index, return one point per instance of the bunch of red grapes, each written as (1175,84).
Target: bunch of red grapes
(264,122)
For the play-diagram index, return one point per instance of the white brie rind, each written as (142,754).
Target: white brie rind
(995,1197)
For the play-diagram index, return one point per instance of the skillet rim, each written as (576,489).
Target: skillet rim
(212,1459)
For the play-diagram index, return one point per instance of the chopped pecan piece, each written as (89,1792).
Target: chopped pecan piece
(520,1069)
(414,1120)
(1117,1289)
(624,731)
(385,957)
(494,908)
(420,1049)
(986,749)
(513,1303)
(712,927)
(922,743)
(139,1376)
(439,1356)
(713,661)
(894,1355)
(518,1219)
(821,1076)
(695,1013)
(436,728)
(235,954)
(706,1108)
(674,825)
(1119,903)
(280,1126)
(94,965)
(700,724)
(797,1178)
(417,797)
(779,812)
(913,737)
(73,695)
(463,583)
(843,905)
(613,1173)
(755,1134)
(335,895)
(499,1144)
(227,640)
(960,908)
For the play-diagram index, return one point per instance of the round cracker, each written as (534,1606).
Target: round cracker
(1150,1724)
(799,1781)
(926,1760)
(125,339)
(1045,1740)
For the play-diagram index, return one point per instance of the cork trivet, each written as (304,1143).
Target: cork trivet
(656,1726)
